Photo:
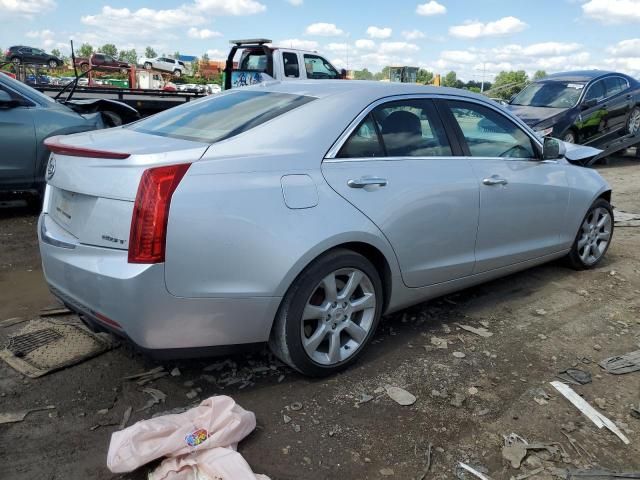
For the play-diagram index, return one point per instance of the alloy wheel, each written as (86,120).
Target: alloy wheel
(338,316)
(595,235)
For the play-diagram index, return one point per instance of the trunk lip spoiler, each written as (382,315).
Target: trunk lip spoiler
(55,145)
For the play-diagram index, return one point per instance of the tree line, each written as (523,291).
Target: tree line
(505,85)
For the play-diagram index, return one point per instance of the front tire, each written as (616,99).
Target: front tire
(147,65)
(16,60)
(569,137)
(594,236)
(329,314)
(53,64)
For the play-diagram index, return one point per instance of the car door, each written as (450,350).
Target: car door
(399,169)
(39,56)
(593,119)
(318,68)
(17,143)
(523,200)
(27,55)
(619,103)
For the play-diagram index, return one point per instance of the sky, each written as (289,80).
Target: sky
(475,39)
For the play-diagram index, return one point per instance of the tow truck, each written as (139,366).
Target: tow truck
(260,62)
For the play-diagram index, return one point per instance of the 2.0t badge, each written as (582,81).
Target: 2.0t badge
(51,168)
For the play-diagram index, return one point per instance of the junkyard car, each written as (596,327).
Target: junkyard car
(589,108)
(27,117)
(299,212)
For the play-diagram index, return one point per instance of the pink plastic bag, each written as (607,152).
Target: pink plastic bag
(203,439)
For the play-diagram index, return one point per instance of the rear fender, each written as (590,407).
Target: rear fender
(127,113)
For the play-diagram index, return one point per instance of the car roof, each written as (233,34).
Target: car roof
(362,88)
(580,75)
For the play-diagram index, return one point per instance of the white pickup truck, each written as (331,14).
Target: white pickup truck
(260,61)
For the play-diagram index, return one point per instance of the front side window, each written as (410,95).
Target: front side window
(596,92)
(405,128)
(318,68)
(489,133)
(291,68)
(220,117)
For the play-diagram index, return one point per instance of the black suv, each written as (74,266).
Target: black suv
(34,56)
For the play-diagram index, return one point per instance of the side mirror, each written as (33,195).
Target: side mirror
(592,102)
(6,101)
(343,74)
(552,149)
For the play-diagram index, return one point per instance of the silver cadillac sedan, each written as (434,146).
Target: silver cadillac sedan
(299,213)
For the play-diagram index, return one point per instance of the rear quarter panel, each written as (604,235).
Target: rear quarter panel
(232,235)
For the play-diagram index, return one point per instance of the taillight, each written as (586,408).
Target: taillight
(148,236)
(55,146)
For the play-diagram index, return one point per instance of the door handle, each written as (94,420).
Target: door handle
(495,180)
(366,181)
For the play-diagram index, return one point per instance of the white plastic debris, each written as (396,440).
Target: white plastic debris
(588,411)
(400,396)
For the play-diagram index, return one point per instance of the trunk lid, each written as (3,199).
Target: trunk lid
(93,198)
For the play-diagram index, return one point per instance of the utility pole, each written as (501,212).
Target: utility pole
(484,70)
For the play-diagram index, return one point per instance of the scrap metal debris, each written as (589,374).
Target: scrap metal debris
(427,467)
(12,321)
(145,377)
(472,471)
(400,395)
(591,413)
(480,331)
(575,376)
(621,364)
(569,474)
(13,417)
(440,342)
(157,396)
(54,311)
(626,219)
(125,417)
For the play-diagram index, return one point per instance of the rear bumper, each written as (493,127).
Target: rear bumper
(133,300)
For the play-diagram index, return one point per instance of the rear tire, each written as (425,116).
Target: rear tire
(593,238)
(16,60)
(633,122)
(329,314)
(177,73)
(147,65)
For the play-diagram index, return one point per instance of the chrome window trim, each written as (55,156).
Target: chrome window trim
(331,155)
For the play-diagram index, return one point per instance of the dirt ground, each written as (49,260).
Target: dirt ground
(544,320)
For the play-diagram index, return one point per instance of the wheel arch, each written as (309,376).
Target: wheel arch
(374,249)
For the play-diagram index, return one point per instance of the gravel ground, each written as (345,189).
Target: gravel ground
(543,321)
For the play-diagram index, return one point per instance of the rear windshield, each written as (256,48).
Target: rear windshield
(221,117)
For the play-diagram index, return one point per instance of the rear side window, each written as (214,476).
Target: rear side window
(614,85)
(489,133)
(364,142)
(220,117)
(291,68)
(254,61)
(406,128)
